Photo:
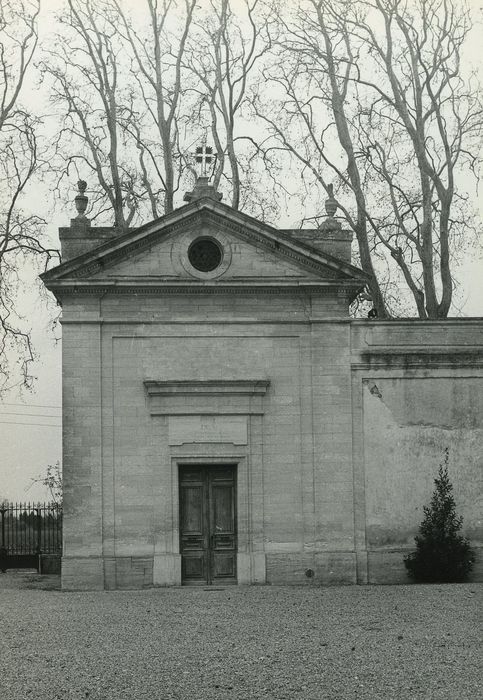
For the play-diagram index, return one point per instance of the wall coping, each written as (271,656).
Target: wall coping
(366,323)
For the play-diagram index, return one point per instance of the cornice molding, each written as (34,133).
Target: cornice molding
(211,387)
(63,287)
(206,397)
(420,358)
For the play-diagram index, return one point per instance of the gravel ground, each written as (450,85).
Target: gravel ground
(362,642)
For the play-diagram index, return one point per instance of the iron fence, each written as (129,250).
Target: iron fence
(29,530)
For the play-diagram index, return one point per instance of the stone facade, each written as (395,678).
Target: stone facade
(336,426)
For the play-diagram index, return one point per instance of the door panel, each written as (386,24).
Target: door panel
(193,512)
(222,508)
(192,526)
(222,527)
(223,566)
(208,524)
(193,567)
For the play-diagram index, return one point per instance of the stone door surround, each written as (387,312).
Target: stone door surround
(214,421)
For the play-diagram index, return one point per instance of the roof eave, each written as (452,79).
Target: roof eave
(79,286)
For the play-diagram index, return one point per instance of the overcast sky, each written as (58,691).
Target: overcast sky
(30,424)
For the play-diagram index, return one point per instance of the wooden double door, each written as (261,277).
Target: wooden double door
(208,536)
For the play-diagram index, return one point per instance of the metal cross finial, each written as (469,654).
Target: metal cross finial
(205,156)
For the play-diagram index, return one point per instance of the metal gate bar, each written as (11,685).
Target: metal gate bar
(29,530)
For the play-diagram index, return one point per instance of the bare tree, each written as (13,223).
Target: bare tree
(118,81)
(156,68)
(131,86)
(21,233)
(223,57)
(386,75)
(85,66)
(366,94)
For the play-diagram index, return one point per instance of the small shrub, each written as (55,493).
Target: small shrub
(442,555)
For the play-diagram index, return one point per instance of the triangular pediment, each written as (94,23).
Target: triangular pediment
(168,259)
(161,254)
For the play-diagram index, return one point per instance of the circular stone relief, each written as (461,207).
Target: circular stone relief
(205,254)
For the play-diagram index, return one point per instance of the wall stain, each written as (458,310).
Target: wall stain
(375,391)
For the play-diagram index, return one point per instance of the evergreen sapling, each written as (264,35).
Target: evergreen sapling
(442,554)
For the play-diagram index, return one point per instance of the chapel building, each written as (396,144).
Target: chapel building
(226,422)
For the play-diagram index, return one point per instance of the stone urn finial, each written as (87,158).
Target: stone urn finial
(331,206)
(331,203)
(81,199)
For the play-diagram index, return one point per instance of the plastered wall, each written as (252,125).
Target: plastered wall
(417,389)
(408,421)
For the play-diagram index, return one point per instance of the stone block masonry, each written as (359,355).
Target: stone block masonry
(337,470)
